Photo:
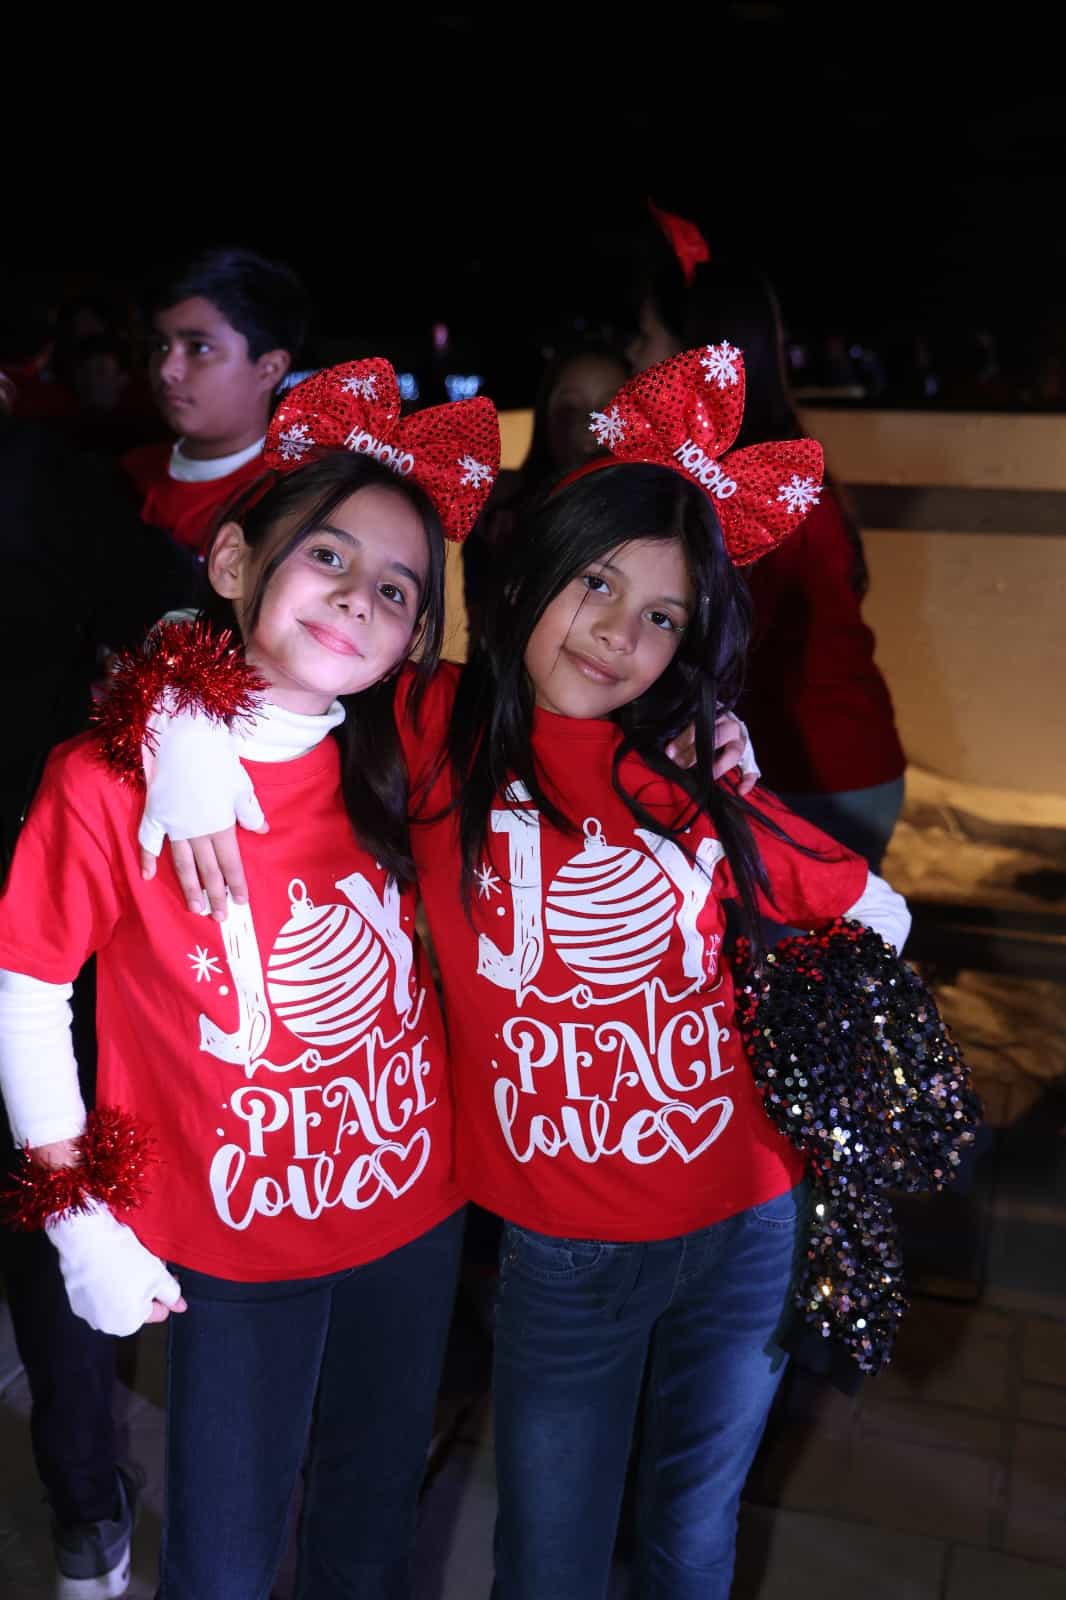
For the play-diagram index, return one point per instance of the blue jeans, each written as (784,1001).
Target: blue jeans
(352,1361)
(862,819)
(578,1321)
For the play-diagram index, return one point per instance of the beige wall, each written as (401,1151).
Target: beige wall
(971,627)
(971,639)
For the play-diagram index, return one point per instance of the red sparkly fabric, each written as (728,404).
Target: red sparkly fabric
(112,1157)
(451,451)
(194,667)
(685,413)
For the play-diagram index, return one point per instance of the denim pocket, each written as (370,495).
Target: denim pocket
(548,1259)
(783,1210)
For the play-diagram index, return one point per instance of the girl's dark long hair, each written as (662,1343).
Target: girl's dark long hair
(373,776)
(490,741)
(730,300)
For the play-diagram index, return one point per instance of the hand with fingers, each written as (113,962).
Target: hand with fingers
(732,749)
(197,790)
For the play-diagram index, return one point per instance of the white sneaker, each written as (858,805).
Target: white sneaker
(93,1560)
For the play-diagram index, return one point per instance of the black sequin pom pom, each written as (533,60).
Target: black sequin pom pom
(859,1071)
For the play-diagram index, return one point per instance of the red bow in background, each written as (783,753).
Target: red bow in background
(685,240)
(451,451)
(684,414)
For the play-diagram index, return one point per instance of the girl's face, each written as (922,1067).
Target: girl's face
(586,384)
(340,611)
(654,342)
(612,631)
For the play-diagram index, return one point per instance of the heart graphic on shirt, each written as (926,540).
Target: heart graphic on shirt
(681,1140)
(406,1162)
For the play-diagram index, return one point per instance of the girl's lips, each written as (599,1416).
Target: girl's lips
(331,639)
(592,669)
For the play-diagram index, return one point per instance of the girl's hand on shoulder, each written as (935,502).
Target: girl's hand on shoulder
(197,790)
(209,870)
(732,749)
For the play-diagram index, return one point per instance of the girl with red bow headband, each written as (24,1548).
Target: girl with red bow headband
(653,1219)
(653,1215)
(269,1165)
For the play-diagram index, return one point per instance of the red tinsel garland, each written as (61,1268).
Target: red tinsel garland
(195,667)
(112,1158)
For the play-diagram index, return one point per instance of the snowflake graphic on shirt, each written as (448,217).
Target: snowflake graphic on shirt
(488,883)
(204,964)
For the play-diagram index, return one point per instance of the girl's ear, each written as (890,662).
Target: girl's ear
(227,563)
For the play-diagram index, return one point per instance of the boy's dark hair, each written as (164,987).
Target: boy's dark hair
(373,774)
(490,741)
(264,300)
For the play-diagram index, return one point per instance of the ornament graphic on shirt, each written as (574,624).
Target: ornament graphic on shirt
(641,1083)
(610,911)
(351,1131)
(326,979)
(328,973)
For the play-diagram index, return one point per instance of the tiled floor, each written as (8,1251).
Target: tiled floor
(942,1479)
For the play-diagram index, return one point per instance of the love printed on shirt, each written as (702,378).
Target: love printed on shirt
(643,1085)
(344,1123)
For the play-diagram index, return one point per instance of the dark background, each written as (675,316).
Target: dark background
(892,168)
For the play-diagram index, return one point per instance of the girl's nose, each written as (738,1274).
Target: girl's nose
(618,630)
(357,598)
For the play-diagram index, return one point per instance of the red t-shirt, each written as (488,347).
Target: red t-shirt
(817,708)
(289,1062)
(601,1088)
(187,511)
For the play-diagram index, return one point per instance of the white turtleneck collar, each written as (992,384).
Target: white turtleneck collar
(275,734)
(187,470)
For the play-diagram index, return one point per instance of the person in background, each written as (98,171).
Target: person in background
(578,379)
(227,326)
(80,575)
(817,708)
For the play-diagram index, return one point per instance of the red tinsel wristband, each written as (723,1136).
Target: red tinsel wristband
(113,1153)
(182,666)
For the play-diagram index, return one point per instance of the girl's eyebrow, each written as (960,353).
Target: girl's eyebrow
(663,600)
(350,539)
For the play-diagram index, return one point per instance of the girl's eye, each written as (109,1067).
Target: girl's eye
(200,349)
(326,557)
(663,620)
(595,583)
(393,592)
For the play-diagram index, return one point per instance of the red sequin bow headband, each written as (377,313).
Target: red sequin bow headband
(684,414)
(451,451)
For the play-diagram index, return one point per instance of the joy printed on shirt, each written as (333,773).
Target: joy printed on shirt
(342,1122)
(614,1046)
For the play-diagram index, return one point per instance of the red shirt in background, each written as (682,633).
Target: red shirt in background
(187,511)
(817,708)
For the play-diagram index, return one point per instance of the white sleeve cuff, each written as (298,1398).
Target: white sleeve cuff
(879,907)
(38,1072)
